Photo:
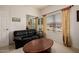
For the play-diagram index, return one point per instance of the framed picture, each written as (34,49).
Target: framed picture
(77,15)
(15,19)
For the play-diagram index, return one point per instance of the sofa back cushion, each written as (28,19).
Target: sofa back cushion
(32,32)
(20,33)
(25,33)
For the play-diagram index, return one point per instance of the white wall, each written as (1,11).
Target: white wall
(21,12)
(74,27)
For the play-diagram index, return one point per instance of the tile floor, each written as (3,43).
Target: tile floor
(56,48)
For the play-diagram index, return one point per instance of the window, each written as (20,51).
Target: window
(54,22)
(57,21)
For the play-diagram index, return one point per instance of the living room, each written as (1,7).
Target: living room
(14,18)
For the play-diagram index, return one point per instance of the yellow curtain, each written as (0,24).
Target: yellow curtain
(44,24)
(66,26)
(36,23)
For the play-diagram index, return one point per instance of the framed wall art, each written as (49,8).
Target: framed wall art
(15,19)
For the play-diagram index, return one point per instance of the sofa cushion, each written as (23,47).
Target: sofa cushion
(32,32)
(17,38)
(21,32)
(27,39)
(34,37)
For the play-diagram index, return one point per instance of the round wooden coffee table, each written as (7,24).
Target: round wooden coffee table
(38,46)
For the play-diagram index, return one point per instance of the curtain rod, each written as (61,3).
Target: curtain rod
(59,10)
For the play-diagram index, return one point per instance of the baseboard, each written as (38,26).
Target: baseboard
(11,43)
